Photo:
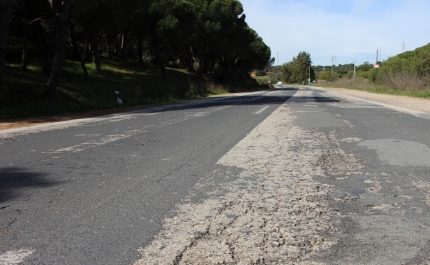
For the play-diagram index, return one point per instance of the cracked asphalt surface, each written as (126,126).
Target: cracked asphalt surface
(297,175)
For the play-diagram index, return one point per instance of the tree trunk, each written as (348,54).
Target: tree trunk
(61,25)
(139,48)
(41,34)
(96,53)
(75,48)
(5,14)
(25,46)
(87,52)
(122,52)
(158,56)
(109,45)
(205,65)
(213,63)
(50,49)
(189,60)
(117,47)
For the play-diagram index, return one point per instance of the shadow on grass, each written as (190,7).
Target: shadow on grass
(138,85)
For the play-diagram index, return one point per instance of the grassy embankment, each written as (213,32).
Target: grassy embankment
(364,85)
(138,84)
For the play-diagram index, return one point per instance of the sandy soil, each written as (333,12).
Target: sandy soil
(411,103)
(417,104)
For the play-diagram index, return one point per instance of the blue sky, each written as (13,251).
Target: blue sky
(351,30)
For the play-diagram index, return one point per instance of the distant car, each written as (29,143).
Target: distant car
(279,83)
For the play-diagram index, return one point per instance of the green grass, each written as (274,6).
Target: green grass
(410,93)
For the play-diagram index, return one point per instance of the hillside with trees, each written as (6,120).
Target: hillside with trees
(407,73)
(204,40)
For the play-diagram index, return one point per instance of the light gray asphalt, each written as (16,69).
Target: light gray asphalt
(94,191)
(385,205)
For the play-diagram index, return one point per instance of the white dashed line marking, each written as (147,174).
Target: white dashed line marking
(263,109)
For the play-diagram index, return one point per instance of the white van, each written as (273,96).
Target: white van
(279,83)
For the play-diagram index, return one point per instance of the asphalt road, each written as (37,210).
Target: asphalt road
(93,191)
(353,175)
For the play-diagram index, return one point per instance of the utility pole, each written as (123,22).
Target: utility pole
(403,47)
(377,53)
(354,69)
(332,64)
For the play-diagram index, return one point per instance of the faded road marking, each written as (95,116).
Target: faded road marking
(102,141)
(302,96)
(15,256)
(127,134)
(263,109)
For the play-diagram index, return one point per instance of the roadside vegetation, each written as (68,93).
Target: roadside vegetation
(405,74)
(68,56)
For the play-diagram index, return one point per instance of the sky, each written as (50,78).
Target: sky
(349,30)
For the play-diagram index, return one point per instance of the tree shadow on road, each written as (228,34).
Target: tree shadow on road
(15,181)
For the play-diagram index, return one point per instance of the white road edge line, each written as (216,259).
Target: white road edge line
(149,111)
(263,109)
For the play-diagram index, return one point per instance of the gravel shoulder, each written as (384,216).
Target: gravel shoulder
(411,103)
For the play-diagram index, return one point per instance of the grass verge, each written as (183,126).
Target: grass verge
(138,84)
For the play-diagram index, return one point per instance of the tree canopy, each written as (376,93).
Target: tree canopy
(209,36)
(299,69)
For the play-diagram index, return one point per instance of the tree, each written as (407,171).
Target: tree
(60,32)
(210,36)
(325,76)
(5,15)
(99,20)
(299,69)
(27,16)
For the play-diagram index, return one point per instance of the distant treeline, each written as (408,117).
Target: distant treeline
(209,36)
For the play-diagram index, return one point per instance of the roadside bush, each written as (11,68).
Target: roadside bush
(260,72)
